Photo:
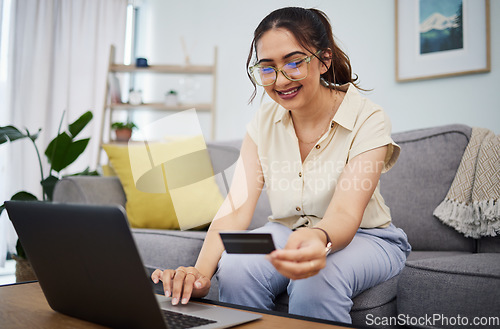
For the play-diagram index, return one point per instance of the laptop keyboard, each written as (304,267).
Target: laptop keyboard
(180,320)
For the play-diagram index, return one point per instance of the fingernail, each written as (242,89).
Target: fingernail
(175,301)
(197,284)
(167,293)
(184,301)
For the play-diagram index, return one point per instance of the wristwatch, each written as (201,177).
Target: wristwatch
(328,248)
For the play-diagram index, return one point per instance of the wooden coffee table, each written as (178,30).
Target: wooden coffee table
(24,306)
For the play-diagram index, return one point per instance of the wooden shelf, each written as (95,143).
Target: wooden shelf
(172,69)
(205,107)
(112,89)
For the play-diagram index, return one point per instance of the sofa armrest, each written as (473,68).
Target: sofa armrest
(96,190)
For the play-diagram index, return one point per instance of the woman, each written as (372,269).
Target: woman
(320,148)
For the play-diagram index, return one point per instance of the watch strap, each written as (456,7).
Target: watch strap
(328,247)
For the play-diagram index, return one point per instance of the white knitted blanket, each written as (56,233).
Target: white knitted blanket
(472,204)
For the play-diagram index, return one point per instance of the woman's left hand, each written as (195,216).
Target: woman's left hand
(303,255)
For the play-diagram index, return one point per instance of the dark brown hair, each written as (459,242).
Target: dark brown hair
(312,29)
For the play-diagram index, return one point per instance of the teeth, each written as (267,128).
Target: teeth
(290,92)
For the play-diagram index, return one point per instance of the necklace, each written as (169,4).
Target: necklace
(329,125)
(317,138)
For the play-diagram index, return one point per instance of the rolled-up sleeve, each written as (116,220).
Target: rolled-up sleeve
(375,132)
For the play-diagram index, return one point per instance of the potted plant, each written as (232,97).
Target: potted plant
(123,130)
(62,151)
(171,98)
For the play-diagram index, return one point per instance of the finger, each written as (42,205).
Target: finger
(199,280)
(156,275)
(296,274)
(202,282)
(201,287)
(189,280)
(305,253)
(295,240)
(299,270)
(167,281)
(178,284)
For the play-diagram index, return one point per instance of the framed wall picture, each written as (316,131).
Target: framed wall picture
(442,38)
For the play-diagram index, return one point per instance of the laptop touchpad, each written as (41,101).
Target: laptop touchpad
(166,304)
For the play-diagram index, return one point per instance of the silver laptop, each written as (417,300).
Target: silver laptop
(88,267)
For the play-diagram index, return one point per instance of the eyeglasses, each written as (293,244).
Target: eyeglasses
(295,70)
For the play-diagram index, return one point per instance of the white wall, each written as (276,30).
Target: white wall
(365,29)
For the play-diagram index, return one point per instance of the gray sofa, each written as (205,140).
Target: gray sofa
(449,280)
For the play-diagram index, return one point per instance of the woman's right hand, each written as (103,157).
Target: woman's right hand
(182,283)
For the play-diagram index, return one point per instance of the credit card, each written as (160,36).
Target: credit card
(247,243)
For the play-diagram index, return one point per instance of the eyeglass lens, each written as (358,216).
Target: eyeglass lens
(266,75)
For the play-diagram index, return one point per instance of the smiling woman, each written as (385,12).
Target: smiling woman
(336,68)
(329,221)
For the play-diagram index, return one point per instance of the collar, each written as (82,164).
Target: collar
(282,114)
(348,110)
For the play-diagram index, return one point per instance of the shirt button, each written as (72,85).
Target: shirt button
(300,174)
(298,209)
(318,146)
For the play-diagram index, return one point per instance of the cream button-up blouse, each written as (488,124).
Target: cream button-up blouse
(300,192)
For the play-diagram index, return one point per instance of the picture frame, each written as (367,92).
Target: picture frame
(437,39)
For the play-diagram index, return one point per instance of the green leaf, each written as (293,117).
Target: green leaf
(10,133)
(66,151)
(57,149)
(85,172)
(23,196)
(35,136)
(20,196)
(80,123)
(20,250)
(48,185)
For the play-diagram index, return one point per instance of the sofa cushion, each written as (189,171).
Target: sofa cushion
(419,182)
(466,285)
(152,210)
(167,185)
(224,156)
(418,255)
(167,248)
(489,244)
(381,299)
(89,190)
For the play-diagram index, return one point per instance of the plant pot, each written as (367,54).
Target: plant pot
(123,135)
(171,100)
(24,271)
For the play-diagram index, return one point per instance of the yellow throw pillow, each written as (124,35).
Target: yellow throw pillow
(167,185)
(108,171)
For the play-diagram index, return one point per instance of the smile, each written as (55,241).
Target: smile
(288,93)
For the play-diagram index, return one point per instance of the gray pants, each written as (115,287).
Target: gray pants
(372,257)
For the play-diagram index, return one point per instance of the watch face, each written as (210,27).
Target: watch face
(328,248)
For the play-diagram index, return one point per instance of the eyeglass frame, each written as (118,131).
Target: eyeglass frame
(307,59)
